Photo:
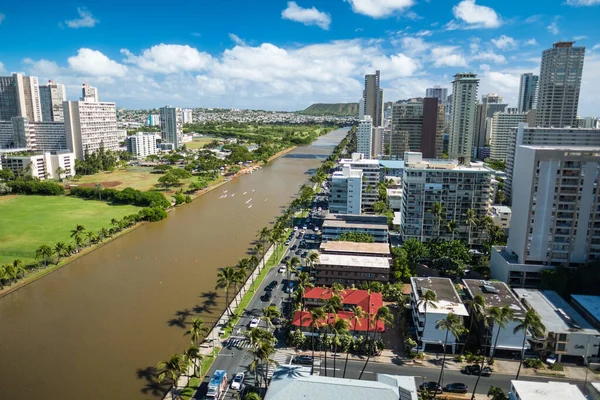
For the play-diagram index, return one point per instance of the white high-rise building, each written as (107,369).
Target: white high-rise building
(528,92)
(345,196)
(152,120)
(89,93)
(464,108)
(142,144)
(504,126)
(28,97)
(52,97)
(171,126)
(371,174)
(364,136)
(89,125)
(557,221)
(187,116)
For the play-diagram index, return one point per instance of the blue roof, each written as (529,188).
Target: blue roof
(395,164)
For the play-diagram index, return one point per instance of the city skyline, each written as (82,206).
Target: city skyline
(311,52)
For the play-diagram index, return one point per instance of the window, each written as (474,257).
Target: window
(562,337)
(561,347)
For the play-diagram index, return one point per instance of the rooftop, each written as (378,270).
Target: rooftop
(369,302)
(293,382)
(353,247)
(583,149)
(302,318)
(501,209)
(488,289)
(354,261)
(557,315)
(528,390)
(448,300)
(355,221)
(394,192)
(392,164)
(591,304)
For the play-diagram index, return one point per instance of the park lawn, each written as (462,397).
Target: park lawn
(199,143)
(26,222)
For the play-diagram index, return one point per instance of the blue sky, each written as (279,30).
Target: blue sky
(283,55)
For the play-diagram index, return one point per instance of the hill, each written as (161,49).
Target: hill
(350,109)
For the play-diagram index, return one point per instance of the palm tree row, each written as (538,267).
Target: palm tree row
(262,347)
(11,273)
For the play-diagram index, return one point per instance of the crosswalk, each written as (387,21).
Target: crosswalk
(239,342)
(281,359)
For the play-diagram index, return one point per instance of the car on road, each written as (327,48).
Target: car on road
(266,297)
(552,359)
(295,228)
(294,247)
(456,388)
(281,269)
(236,383)
(475,369)
(287,242)
(316,229)
(254,323)
(304,228)
(305,360)
(530,355)
(285,259)
(430,387)
(304,254)
(298,252)
(273,284)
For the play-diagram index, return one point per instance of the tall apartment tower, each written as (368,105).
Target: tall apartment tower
(438,92)
(186,116)
(89,93)
(90,125)
(434,122)
(528,92)
(9,99)
(373,98)
(361,108)
(171,120)
(27,94)
(407,120)
(491,103)
(559,85)
(364,136)
(504,126)
(52,97)
(345,196)
(464,107)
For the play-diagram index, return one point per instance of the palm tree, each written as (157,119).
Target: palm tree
(452,323)
(252,396)
(438,211)
(357,315)
(476,308)
(312,259)
(90,237)
(471,221)
(244,267)
(19,267)
(487,325)
(532,323)
(304,281)
(316,321)
(60,249)
(197,330)
(79,229)
(384,315)
(500,316)
(192,355)
(451,226)
(427,299)
(171,369)
(338,327)
(226,278)
(70,249)
(291,267)
(78,242)
(44,252)
(3,276)
(269,313)
(11,271)
(263,236)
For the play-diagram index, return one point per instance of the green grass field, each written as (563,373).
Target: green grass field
(27,222)
(198,143)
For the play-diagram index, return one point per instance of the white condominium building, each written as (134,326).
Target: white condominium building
(370,181)
(41,166)
(171,126)
(142,144)
(458,188)
(364,136)
(187,116)
(464,110)
(504,125)
(345,196)
(52,97)
(89,93)
(89,125)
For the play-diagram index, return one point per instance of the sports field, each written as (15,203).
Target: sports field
(27,222)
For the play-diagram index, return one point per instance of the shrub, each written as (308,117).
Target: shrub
(38,187)
(152,214)
(459,359)
(533,363)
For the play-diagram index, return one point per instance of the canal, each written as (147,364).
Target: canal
(92,329)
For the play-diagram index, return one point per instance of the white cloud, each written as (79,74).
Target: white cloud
(553,28)
(474,15)
(379,8)
(447,56)
(93,63)
(2,16)
(583,2)
(413,45)
(413,16)
(531,42)
(42,67)
(169,58)
(307,16)
(2,69)
(197,34)
(580,37)
(85,20)
(237,40)
(490,56)
(504,42)
(424,33)
(395,66)
(596,46)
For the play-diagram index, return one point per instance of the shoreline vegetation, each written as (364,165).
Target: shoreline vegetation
(18,274)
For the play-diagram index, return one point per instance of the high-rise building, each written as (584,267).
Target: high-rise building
(491,103)
(90,125)
(21,133)
(434,122)
(28,97)
(559,85)
(42,165)
(504,125)
(345,196)
(52,97)
(186,116)
(364,136)
(377,142)
(9,99)
(171,126)
(438,92)
(373,98)
(528,91)
(464,108)
(371,173)
(407,119)
(89,93)
(458,188)
(142,144)
(152,120)
(361,108)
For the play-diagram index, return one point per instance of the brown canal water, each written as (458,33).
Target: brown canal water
(92,329)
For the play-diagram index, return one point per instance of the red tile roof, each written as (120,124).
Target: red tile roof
(355,297)
(302,318)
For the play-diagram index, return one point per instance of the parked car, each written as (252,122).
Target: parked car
(316,229)
(281,269)
(306,360)
(475,369)
(294,247)
(295,228)
(430,387)
(304,228)
(266,297)
(254,323)
(530,354)
(552,359)
(456,388)
(273,284)
(236,383)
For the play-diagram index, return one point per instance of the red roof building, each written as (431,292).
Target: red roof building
(302,320)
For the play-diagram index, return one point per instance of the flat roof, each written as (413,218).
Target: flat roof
(293,382)
(392,164)
(353,247)
(589,303)
(504,297)
(336,223)
(502,209)
(529,390)
(354,261)
(561,147)
(556,314)
(448,300)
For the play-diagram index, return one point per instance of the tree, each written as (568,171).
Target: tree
(471,220)
(44,252)
(476,308)
(304,281)
(415,250)
(500,316)
(252,396)
(451,226)
(439,212)
(79,229)
(269,313)
(291,267)
(169,180)
(496,393)
(171,369)
(312,259)
(427,299)
(60,249)
(360,237)
(384,315)
(264,236)
(197,330)
(3,276)
(192,355)
(59,173)
(316,317)
(533,323)
(452,323)
(226,278)
(331,306)
(338,327)
(356,319)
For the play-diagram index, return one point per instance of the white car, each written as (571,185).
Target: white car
(236,383)
(295,228)
(552,359)
(304,228)
(281,269)
(254,323)
(319,209)
(316,229)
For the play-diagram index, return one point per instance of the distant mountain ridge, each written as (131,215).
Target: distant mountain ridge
(341,109)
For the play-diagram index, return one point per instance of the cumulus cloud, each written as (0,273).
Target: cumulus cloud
(553,27)
(307,16)
(583,3)
(2,69)
(42,67)
(85,20)
(596,46)
(424,33)
(531,42)
(90,62)
(379,8)
(447,56)
(490,56)
(473,16)
(504,42)
(169,58)
(395,66)
(413,45)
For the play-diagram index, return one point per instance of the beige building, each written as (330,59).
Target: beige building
(504,126)
(464,110)
(89,125)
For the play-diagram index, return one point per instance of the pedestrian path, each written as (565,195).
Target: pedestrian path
(280,358)
(239,342)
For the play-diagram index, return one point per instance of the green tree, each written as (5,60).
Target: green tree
(60,249)
(316,319)
(355,320)
(476,309)
(415,250)
(452,323)
(226,278)
(439,212)
(44,253)
(193,357)
(3,276)
(500,316)
(360,237)
(532,323)
(169,180)
(451,226)
(171,370)
(338,327)
(496,393)
(471,220)
(270,313)
(384,315)
(197,330)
